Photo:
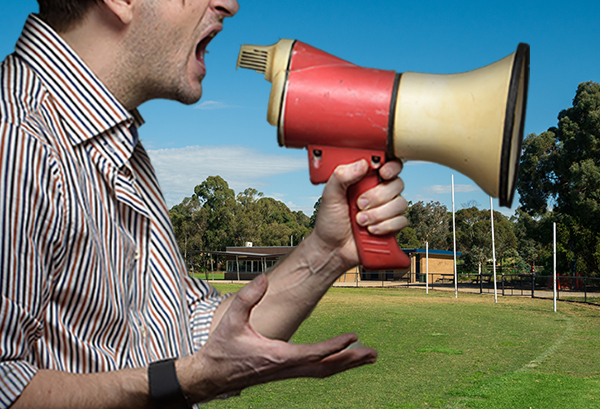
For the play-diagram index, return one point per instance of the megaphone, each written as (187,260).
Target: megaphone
(472,122)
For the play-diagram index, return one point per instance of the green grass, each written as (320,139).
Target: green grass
(595,298)
(210,275)
(436,351)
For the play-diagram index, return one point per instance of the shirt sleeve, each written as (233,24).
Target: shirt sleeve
(30,226)
(203,300)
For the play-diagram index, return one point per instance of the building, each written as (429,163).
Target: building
(441,263)
(244,263)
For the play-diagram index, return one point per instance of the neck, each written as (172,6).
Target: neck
(99,41)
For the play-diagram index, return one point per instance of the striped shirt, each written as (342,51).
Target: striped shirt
(91,278)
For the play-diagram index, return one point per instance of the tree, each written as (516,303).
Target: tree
(560,173)
(531,235)
(474,236)
(407,239)
(214,218)
(430,223)
(189,222)
(281,226)
(248,219)
(313,218)
(218,199)
(304,228)
(505,238)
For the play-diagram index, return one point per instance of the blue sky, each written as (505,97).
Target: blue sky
(226,133)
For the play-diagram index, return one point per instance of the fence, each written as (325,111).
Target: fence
(569,288)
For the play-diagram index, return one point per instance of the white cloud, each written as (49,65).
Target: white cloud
(180,170)
(447,189)
(304,209)
(208,105)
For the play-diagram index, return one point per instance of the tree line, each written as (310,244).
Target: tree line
(559,182)
(214,218)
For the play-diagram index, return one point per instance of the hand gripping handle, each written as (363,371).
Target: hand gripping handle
(376,253)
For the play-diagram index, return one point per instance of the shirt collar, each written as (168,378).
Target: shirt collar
(84,103)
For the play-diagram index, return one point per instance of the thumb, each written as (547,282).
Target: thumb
(344,176)
(247,298)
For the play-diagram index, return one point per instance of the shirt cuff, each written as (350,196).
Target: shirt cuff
(14,378)
(201,319)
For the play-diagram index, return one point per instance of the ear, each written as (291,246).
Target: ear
(122,9)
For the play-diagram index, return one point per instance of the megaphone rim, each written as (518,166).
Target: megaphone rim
(508,187)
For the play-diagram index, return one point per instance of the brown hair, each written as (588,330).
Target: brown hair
(62,14)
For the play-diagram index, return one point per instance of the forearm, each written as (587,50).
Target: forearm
(295,287)
(54,389)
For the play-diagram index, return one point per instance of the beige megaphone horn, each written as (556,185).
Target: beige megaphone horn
(472,122)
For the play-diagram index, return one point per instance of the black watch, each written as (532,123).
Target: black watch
(165,390)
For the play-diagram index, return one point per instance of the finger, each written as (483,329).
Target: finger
(391,169)
(344,176)
(388,226)
(390,210)
(307,353)
(304,354)
(342,361)
(247,298)
(330,365)
(380,194)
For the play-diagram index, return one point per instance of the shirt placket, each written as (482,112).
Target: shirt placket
(136,218)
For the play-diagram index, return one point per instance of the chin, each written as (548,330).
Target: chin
(188,97)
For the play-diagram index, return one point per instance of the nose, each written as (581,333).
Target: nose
(227,8)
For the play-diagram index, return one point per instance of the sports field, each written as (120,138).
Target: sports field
(436,351)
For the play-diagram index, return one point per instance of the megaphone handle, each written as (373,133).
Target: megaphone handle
(375,252)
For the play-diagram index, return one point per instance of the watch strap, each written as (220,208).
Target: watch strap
(165,390)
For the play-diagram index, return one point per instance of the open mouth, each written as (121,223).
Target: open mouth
(201,47)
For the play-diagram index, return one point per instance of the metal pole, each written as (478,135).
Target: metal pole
(554,273)
(427,267)
(493,250)
(454,237)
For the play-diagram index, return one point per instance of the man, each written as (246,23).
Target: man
(97,309)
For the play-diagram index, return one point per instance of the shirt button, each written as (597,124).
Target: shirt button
(137,254)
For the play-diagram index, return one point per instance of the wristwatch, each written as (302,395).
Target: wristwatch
(165,390)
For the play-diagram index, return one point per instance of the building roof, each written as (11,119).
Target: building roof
(434,252)
(265,251)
